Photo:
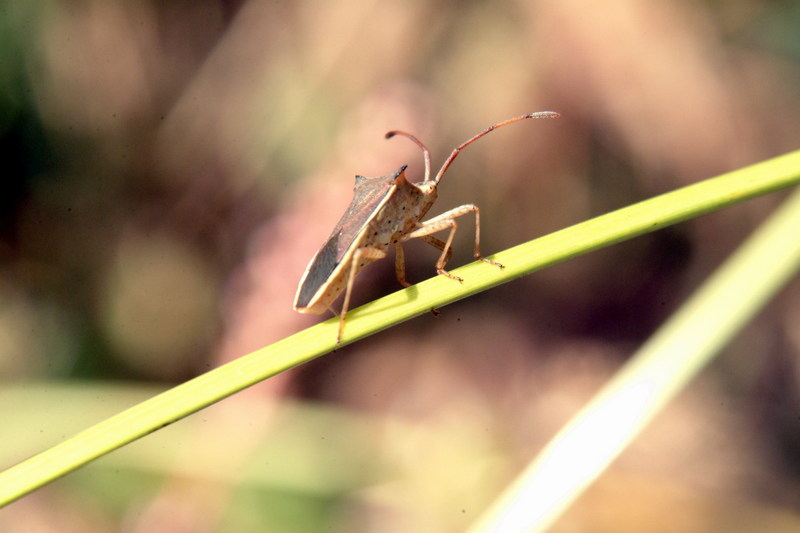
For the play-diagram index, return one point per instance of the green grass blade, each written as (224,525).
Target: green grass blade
(660,369)
(308,344)
(617,226)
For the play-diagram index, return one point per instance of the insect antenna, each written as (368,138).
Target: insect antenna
(416,141)
(449,160)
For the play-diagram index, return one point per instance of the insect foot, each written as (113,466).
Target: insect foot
(495,263)
(387,211)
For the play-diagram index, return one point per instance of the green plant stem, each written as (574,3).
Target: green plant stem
(308,344)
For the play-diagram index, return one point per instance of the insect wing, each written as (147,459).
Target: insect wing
(369,195)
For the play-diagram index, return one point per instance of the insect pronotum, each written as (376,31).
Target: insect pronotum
(386,211)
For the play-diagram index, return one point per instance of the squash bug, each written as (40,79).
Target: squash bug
(386,211)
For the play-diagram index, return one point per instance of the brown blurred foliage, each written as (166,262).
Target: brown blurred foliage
(172,167)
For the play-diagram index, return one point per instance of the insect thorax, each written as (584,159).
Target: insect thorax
(400,215)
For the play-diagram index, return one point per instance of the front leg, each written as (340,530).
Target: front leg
(444,221)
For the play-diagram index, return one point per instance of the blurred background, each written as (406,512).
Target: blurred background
(171,167)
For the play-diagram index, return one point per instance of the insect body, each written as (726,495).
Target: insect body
(386,211)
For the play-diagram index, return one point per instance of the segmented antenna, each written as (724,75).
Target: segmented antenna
(426,153)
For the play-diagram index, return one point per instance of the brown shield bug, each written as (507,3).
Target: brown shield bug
(386,211)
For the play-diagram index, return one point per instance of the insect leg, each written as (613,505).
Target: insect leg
(360,254)
(438,243)
(444,221)
(400,265)
(463,210)
(434,225)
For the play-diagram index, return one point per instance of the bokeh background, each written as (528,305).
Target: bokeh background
(169,168)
